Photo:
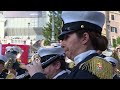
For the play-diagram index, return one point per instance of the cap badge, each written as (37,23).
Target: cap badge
(82,26)
(68,28)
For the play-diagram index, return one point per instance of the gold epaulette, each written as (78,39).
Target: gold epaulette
(99,67)
(71,65)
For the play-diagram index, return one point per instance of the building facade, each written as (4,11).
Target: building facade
(111,27)
(23,27)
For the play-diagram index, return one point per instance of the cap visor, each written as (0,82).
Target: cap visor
(61,36)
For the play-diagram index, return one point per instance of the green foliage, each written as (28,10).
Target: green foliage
(47,30)
(118,40)
(114,43)
(115,55)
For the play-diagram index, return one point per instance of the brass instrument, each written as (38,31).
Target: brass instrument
(12,72)
(10,75)
(35,57)
(8,65)
(13,54)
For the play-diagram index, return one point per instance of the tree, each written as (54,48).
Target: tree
(114,43)
(118,40)
(47,30)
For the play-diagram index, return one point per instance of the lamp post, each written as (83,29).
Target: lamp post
(31,46)
(53,33)
(28,30)
(53,25)
(108,28)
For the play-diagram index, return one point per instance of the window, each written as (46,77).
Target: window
(112,17)
(114,29)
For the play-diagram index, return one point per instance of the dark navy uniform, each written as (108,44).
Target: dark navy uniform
(116,77)
(85,69)
(61,75)
(21,73)
(42,76)
(78,73)
(102,55)
(3,75)
(64,75)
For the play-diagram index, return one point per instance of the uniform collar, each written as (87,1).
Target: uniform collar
(82,56)
(60,73)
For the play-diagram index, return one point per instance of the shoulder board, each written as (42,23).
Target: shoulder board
(99,67)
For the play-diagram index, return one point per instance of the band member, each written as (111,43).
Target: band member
(80,39)
(15,72)
(53,60)
(3,74)
(114,63)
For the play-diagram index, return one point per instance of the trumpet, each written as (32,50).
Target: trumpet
(44,64)
(34,57)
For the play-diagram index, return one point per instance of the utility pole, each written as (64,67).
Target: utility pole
(108,28)
(53,33)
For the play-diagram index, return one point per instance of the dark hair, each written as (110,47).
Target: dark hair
(2,62)
(62,62)
(98,41)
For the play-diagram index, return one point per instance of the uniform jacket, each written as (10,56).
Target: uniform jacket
(116,77)
(20,72)
(85,70)
(61,75)
(3,75)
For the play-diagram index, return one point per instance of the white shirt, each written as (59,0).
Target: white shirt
(82,56)
(60,73)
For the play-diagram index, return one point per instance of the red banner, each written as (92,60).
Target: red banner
(24,56)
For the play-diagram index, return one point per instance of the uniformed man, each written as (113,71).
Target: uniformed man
(3,74)
(80,39)
(12,52)
(53,62)
(114,63)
